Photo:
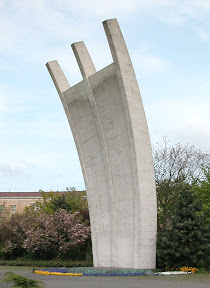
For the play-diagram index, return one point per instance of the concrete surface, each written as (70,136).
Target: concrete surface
(107,119)
(182,281)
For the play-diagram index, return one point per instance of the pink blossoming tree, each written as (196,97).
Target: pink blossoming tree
(46,236)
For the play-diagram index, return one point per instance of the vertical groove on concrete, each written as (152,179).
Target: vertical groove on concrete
(87,69)
(107,172)
(121,58)
(81,111)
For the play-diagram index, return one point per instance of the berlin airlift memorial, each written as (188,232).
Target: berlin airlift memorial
(107,119)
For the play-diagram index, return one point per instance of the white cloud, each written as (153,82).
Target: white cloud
(202,34)
(12,170)
(6,65)
(149,63)
(27,28)
(186,120)
(12,100)
(3,95)
(36,30)
(205,4)
(192,14)
(48,128)
(98,8)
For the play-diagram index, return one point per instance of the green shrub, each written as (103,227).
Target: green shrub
(186,239)
(19,281)
(46,263)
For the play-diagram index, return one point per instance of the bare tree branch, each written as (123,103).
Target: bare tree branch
(175,168)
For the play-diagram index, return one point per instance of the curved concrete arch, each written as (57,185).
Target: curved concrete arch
(141,155)
(109,126)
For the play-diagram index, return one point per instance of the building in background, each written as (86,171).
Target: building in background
(15,202)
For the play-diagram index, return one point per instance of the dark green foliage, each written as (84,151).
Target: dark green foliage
(10,230)
(202,190)
(19,281)
(59,203)
(185,240)
(72,201)
(176,167)
(46,263)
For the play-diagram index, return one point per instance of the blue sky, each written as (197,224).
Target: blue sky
(168,43)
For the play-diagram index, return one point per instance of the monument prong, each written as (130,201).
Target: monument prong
(58,77)
(116,41)
(83,58)
(60,82)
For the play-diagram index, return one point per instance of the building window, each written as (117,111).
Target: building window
(2,208)
(35,206)
(13,208)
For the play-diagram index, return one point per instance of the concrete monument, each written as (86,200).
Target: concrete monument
(107,119)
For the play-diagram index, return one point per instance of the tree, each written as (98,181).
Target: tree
(176,167)
(71,201)
(12,236)
(202,190)
(44,235)
(77,201)
(54,235)
(185,242)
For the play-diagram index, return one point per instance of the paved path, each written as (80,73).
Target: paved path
(182,281)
